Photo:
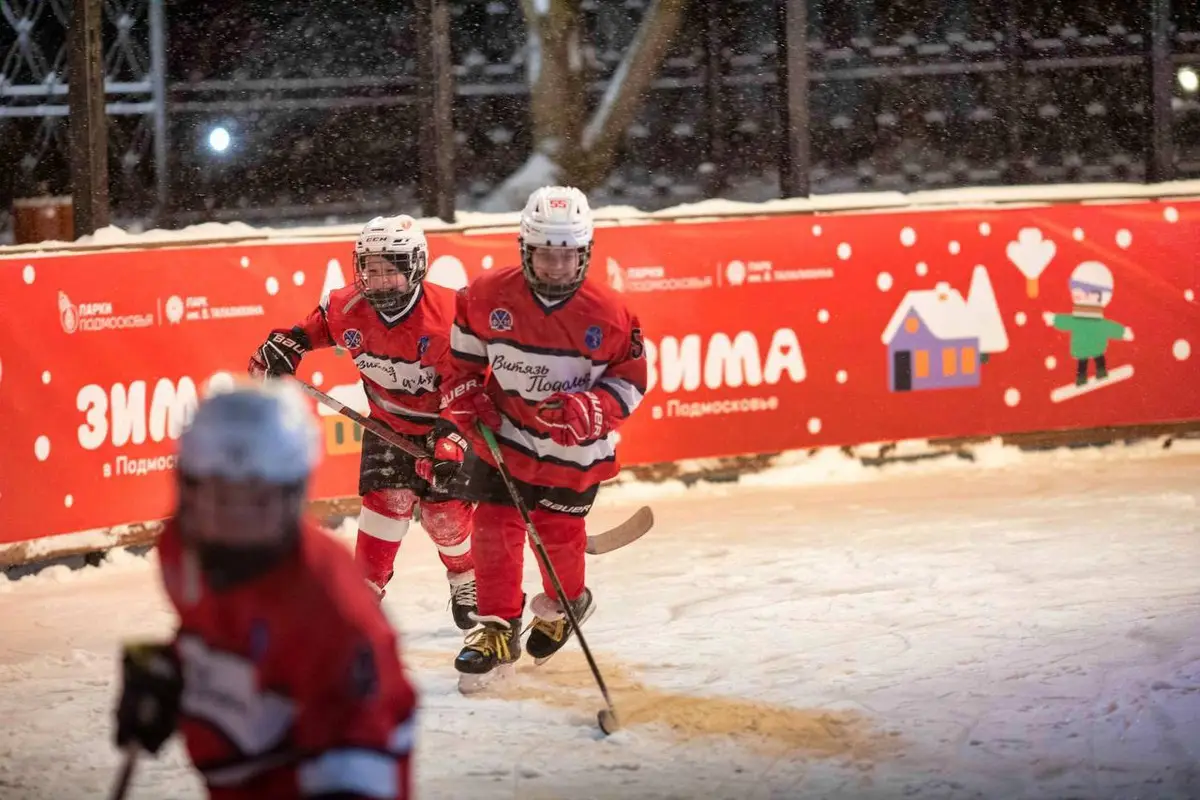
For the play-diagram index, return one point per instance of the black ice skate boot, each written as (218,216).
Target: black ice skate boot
(489,653)
(462,598)
(551,628)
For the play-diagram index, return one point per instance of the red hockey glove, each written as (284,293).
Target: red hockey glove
(467,402)
(279,355)
(449,450)
(572,418)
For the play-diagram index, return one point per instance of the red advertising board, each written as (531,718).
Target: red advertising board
(764,334)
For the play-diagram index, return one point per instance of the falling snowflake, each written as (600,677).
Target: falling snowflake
(28,274)
(985,229)
(488,262)
(68,501)
(814,426)
(922,268)
(908,237)
(954,247)
(298,278)
(46,377)
(41,448)
(1189,295)
(1182,350)
(823,316)
(816,230)
(843,251)
(884,281)
(1124,239)
(1077,234)
(1171,214)
(272,286)
(1051,362)
(1020,318)
(1012,398)
(842,376)
(318,378)
(245,262)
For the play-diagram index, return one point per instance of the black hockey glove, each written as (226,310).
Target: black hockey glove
(152,685)
(279,355)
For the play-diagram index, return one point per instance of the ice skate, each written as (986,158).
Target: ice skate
(489,654)
(462,599)
(551,628)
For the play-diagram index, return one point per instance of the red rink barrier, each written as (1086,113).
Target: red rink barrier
(764,334)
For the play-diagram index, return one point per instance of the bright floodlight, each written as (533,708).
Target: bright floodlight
(218,140)
(1189,81)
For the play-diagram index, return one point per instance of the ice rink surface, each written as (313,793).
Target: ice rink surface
(1025,627)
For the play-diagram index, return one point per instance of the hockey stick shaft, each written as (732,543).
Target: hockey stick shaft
(603,542)
(374,426)
(125,776)
(540,549)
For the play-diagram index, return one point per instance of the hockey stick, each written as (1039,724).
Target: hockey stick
(121,786)
(607,716)
(626,532)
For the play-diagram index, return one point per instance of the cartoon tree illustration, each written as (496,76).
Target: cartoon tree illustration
(981,302)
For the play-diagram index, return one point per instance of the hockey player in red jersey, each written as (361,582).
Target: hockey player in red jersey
(283,676)
(388,320)
(553,365)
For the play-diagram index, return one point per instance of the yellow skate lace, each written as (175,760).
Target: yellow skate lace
(489,640)
(554,628)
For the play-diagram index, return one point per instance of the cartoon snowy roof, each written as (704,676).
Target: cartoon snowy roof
(942,309)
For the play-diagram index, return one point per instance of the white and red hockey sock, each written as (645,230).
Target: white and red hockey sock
(449,527)
(382,523)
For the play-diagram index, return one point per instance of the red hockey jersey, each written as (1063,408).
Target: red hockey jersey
(401,385)
(590,342)
(293,685)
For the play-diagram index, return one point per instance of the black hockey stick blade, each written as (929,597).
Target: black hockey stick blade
(627,532)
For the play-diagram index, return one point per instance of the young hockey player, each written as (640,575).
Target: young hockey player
(388,319)
(283,676)
(553,365)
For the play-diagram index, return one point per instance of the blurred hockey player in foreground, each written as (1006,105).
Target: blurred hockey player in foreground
(388,320)
(553,365)
(283,676)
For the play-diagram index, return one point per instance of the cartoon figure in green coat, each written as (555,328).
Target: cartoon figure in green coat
(1091,292)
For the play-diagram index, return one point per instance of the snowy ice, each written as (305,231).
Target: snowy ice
(1020,626)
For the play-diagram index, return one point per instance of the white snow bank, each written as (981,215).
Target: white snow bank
(792,469)
(213,233)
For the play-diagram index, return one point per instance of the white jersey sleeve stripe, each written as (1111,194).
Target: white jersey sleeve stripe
(467,343)
(628,395)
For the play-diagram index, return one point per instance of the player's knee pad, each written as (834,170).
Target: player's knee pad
(447,523)
(387,513)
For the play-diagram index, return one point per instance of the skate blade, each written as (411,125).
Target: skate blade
(537,662)
(473,684)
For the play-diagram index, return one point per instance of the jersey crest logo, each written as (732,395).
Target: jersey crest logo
(352,338)
(593,337)
(422,345)
(501,319)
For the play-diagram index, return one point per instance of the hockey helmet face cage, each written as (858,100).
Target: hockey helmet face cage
(244,463)
(556,241)
(391,258)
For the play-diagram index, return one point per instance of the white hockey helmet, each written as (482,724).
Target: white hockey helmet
(391,258)
(255,432)
(557,227)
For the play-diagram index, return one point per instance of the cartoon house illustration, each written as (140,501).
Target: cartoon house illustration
(341,435)
(938,340)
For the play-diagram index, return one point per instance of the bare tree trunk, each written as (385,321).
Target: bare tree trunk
(566,150)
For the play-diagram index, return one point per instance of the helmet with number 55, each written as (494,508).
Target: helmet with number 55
(556,241)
